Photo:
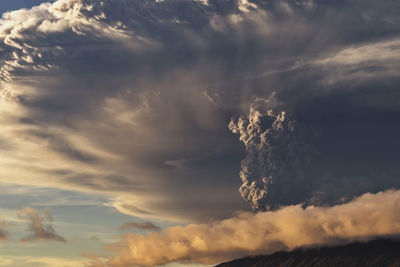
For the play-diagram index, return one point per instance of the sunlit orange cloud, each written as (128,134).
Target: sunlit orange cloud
(366,217)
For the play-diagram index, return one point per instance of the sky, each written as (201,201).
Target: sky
(190,132)
(10,5)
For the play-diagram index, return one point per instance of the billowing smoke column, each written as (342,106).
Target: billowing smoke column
(278,150)
(285,165)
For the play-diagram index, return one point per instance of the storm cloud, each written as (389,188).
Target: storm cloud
(132,99)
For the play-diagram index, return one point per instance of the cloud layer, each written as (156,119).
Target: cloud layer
(366,217)
(131,99)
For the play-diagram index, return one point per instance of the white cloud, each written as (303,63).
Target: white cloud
(246,6)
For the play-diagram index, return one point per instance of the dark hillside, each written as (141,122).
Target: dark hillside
(382,252)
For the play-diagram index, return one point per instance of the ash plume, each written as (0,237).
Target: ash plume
(287,162)
(278,150)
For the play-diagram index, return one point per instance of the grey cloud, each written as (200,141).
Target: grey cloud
(148,226)
(109,96)
(38,227)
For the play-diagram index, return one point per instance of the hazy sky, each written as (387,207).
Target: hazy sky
(130,127)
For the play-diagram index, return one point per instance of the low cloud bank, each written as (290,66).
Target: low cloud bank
(364,218)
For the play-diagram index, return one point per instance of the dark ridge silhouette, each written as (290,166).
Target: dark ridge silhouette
(381,252)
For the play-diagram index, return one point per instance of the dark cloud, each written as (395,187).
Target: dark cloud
(133,98)
(40,230)
(148,226)
(3,233)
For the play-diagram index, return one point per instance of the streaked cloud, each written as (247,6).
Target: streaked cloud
(148,226)
(365,62)
(23,261)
